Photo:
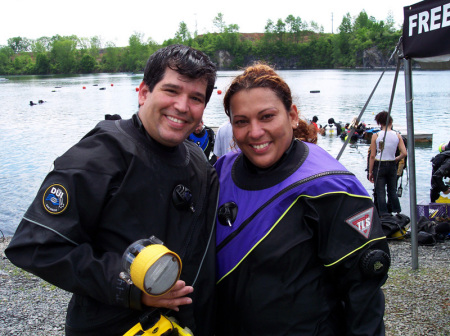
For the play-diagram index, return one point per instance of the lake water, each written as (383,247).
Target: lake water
(31,137)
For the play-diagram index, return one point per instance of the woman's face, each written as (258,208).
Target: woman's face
(262,127)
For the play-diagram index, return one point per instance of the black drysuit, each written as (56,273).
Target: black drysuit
(441,169)
(111,189)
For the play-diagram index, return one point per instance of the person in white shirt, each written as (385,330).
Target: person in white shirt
(224,140)
(383,164)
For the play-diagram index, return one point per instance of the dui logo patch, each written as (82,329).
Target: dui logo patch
(55,199)
(362,222)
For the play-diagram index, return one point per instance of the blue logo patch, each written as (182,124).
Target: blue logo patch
(55,199)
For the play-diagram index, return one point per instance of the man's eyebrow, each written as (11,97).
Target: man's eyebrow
(177,87)
(170,86)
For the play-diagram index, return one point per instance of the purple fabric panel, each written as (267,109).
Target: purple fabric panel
(238,247)
(318,161)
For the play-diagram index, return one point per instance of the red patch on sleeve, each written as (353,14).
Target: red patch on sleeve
(362,222)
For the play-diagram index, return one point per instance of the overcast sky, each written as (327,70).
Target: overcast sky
(116,21)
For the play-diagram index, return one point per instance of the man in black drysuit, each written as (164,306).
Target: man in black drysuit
(124,181)
(440,170)
(204,137)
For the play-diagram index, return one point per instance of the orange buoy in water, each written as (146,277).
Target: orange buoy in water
(219,91)
(137,89)
(112,84)
(84,87)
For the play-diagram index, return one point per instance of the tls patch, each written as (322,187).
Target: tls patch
(362,222)
(55,199)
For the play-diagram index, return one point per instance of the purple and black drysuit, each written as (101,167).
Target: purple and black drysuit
(294,256)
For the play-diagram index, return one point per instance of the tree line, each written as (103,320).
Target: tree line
(287,44)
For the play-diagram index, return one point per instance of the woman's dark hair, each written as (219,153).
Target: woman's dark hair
(186,61)
(381,118)
(261,75)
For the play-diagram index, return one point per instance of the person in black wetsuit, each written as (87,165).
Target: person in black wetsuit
(337,125)
(440,170)
(204,137)
(126,180)
(300,248)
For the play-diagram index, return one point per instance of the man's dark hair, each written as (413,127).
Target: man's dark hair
(186,61)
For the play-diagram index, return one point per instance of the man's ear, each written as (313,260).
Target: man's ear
(143,92)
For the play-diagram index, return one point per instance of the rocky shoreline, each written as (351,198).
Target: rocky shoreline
(417,302)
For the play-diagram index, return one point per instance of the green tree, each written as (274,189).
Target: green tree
(182,35)
(95,46)
(111,58)
(314,26)
(362,21)
(46,42)
(83,44)
(23,64)
(6,54)
(37,47)
(42,66)
(19,44)
(63,56)
(390,22)
(231,39)
(232,28)
(87,64)
(341,51)
(346,26)
(219,23)
(280,30)
(294,27)
(137,53)
(269,33)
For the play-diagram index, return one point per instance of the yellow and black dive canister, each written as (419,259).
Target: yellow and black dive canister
(151,266)
(154,269)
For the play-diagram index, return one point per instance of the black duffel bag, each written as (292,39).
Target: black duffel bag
(395,226)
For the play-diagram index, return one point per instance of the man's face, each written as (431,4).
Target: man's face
(174,109)
(199,128)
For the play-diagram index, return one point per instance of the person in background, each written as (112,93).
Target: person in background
(318,128)
(337,125)
(127,180)
(440,170)
(204,137)
(224,140)
(112,117)
(383,164)
(444,146)
(314,122)
(297,234)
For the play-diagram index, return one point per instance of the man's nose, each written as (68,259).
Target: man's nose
(182,103)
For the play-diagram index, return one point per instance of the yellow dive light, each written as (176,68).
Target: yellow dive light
(151,266)
(154,269)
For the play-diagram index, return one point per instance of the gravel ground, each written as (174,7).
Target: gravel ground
(417,302)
